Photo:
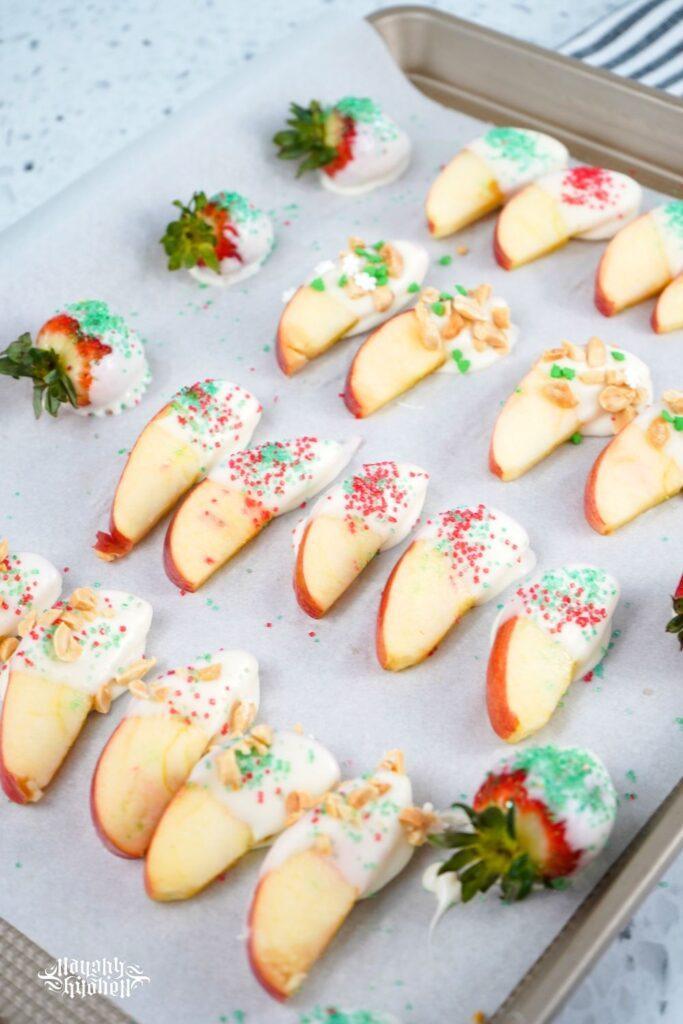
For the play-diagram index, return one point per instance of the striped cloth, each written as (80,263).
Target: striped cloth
(643,40)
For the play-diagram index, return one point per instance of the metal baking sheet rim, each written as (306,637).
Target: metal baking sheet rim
(423,43)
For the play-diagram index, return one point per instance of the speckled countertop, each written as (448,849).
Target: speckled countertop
(79,80)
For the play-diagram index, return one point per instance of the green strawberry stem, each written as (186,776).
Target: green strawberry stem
(52,385)
(675,625)
(191,239)
(490,853)
(311,135)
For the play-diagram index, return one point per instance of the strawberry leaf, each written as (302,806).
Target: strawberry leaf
(306,137)
(52,385)
(191,240)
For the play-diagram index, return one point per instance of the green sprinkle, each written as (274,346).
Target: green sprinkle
(318,284)
(562,371)
(438,308)
(378,245)
(675,421)
(343,281)
(619,356)
(445,296)
(576,438)
(445,261)
(413,287)
(461,288)
(464,365)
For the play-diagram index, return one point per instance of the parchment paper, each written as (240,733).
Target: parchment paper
(99,240)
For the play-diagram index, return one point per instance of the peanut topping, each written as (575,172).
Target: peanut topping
(49,617)
(658,432)
(596,353)
(559,392)
(228,769)
(453,327)
(574,352)
(4,549)
(102,701)
(417,824)
(596,376)
(382,298)
(672,397)
(8,646)
(501,316)
(429,330)
(469,308)
(26,624)
(137,688)
(355,243)
(393,761)
(160,693)
(83,599)
(462,250)
(615,377)
(353,290)
(616,397)
(482,293)
(393,259)
(135,671)
(241,716)
(296,803)
(65,645)
(551,355)
(209,673)
(262,734)
(359,797)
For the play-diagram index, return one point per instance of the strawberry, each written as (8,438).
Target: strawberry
(675,625)
(56,377)
(520,822)
(323,136)
(202,236)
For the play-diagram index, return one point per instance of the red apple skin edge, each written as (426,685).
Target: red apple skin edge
(502,720)
(9,782)
(109,843)
(501,256)
(493,465)
(602,303)
(303,596)
(384,601)
(350,400)
(430,226)
(590,509)
(270,989)
(654,324)
(170,567)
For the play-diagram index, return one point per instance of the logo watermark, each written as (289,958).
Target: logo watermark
(80,978)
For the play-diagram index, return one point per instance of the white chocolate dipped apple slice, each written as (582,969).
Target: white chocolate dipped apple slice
(167,727)
(583,202)
(345,849)
(551,632)
(29,584)
(242,794)
(240,496)
(447,332)
(77,657)
(460,558)
(200,425)
(641,259)
(364,286)
(596,389)
(486,172)
(369,512)
(640,468)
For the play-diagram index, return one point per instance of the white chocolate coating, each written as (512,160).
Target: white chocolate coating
(28,583)
(517,156)
(385,497)
(594,203)
(574,606)
(380,151)
(292,763)
(369,850)
(463,346)
(112,641)
(209,703)
(251,231)
(280,475)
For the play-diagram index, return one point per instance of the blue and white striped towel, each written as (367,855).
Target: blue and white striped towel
(643,40)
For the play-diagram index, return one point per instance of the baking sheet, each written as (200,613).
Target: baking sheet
(99,240)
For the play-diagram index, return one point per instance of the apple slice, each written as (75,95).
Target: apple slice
(242,793)
(668,313)
(68,664)
(362,288)
(367,513)
(552,631)
(343,850)
(641,467)
(390,361)
(463,557)
(201,424)
(530,225)
(465,190)
(633,267)
(240,496)
(165,731)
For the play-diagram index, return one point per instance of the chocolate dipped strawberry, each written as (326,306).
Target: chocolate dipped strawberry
(85,358)
(221,240)
(675,625)
(352,144)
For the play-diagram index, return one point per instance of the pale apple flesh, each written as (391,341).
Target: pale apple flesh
(530,426)
(209,527)
(633,267)
(668,313)
(311,323)
(196,840)
(464,191)
(159,470)
(529,226)
(332,553)
(40,721)
(528,673)
(297,909)
(390,361)
(630,476)
(420,604)
(145,762)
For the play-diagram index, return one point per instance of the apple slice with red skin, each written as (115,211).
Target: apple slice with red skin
(629,476)
(633,267)
(529,226)
(311,323)
(528,673)
(329,558)
(464,191)
(390,361)
(668,313)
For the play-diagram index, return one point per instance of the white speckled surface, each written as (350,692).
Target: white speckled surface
(79,80)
